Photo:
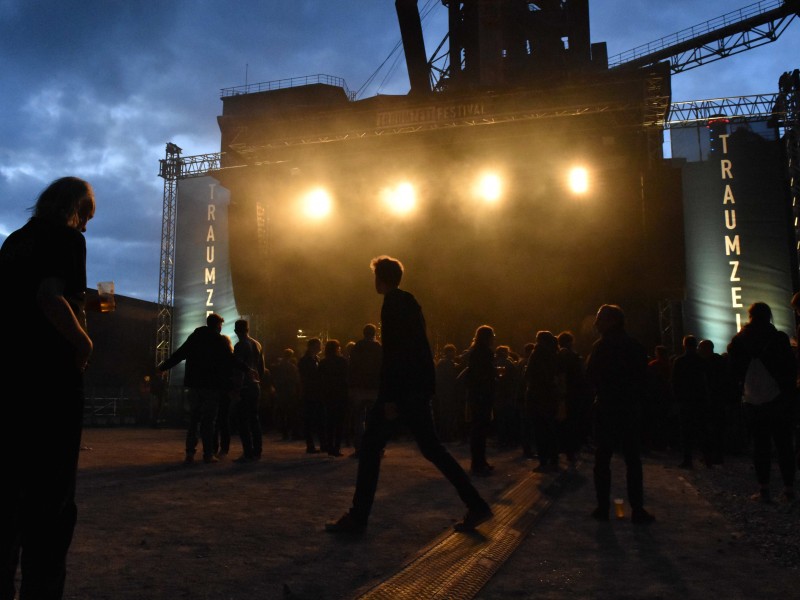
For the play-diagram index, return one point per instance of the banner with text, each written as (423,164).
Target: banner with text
(737,224)
(202,265)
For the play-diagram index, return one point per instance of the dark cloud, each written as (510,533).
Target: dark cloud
(96,88)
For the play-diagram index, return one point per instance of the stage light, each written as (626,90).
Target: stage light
(317,204)
(401,199)
(489,187)
(578,179)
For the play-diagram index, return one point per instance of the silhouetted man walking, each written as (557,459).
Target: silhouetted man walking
(407,384)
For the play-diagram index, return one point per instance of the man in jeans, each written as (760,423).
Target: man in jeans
(406,387)
(250,353)
(209,368)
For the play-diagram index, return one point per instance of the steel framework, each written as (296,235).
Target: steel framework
(170,170)
(732,33)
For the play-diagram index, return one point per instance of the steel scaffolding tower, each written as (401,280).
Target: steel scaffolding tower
(170,170)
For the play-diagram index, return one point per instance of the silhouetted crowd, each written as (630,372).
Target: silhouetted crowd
(541,401)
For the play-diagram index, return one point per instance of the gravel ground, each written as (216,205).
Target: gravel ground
(774,528)
(151,528)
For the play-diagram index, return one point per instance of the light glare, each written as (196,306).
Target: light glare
(401,199)
(317,204)
(579,180)
(490,187)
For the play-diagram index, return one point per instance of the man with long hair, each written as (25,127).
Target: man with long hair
(44,265)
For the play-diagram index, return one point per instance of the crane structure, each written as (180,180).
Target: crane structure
(507,47)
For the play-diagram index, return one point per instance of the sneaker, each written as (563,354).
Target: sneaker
(347,524)
(641,517)
(210,459)
(312,451)
(244,459)
(761,496)
(473,518)
(189,459)
(600,514)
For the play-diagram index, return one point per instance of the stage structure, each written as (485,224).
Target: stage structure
(464,179)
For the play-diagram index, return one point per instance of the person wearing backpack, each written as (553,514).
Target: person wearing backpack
(764,365)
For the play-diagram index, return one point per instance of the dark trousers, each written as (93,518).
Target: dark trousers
(772,423)
(694,433)
(360,402)
(203,408)
(250,432)
(39,514)
(415,415)
(613,428)
(481,414)
(335,421)
(222,426)
(526,429)
(313,421)
(546,436)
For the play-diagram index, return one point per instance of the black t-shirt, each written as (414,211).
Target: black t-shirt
(37,251)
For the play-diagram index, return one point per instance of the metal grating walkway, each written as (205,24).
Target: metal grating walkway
(456,565)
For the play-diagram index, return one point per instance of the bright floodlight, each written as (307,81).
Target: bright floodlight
(489,187)
(317,204)
(401,199)
(579,180)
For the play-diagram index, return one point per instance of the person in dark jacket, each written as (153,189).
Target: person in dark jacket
(617,370)
(572,428)
(248,391)
(481,377)
(311,395)
(333,374)
(406,386)
(763,364)
(43,267)
(542,396)
(690,389)
(209,368)
(364,375)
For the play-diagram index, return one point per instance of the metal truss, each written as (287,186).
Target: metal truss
(732,33)
(738,108)
(198,165)
(170,170)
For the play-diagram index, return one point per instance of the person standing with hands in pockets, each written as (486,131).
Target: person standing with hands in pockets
(45,263)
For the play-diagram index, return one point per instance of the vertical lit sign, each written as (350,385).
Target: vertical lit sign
(736,225)
(202,260)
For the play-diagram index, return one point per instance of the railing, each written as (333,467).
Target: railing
(279,84)
(690,33)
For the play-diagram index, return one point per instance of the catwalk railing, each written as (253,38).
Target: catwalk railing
(280,84)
